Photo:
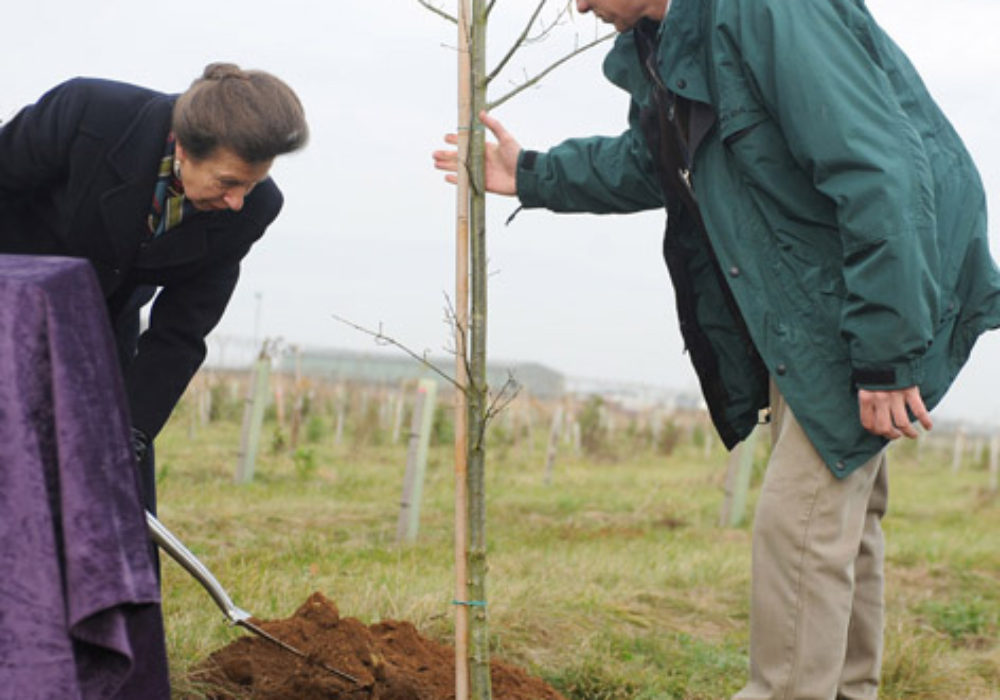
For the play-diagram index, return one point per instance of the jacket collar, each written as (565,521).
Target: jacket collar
(680,64)
(133,160)
(681,57)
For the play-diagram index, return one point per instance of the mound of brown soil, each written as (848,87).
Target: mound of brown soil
(390,659)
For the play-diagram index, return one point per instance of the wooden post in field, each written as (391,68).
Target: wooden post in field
(253,417)
(959,450)
(569,417)
(195,389)
(416,461)
(398,406)
(298,400)
(738,482)
(550,454)
(529,429)
(976,451)
(279,400)
(205,403)
(605,422)
(994,462)
(341,409)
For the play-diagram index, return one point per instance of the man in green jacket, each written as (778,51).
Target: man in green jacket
(826,238)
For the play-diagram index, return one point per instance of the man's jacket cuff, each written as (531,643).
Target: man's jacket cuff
(888,377)
(527,179)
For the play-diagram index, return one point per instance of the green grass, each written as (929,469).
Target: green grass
(612,583)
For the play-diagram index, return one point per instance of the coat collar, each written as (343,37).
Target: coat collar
(681,56)
(681,63)
(133,159)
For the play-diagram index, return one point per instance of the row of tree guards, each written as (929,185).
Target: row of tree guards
(583,426)
(304,411)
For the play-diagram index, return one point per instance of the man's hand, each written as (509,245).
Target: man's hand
(501,158)
(884,412)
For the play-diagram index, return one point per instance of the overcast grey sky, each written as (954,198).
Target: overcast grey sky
(367,232)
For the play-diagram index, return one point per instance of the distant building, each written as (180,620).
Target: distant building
(633,396)
(385,368)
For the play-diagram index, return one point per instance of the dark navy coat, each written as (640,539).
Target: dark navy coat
(77,171)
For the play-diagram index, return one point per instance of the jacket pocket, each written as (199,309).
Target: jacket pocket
(731,139)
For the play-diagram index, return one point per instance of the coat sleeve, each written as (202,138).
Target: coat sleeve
(599,175)
(172,349)
(817,68)
(35,144)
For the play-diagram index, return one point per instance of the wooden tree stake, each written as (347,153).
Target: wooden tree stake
(461,355)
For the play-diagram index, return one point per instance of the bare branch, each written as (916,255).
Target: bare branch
(537,78)
(456,328)
(510,389)
(503,398)
(489,8)
(518,43)
(566,11)
(382,339)
(438,11)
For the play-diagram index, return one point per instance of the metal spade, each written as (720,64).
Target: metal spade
(237,616)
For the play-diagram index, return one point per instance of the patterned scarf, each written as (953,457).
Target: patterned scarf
(169,204)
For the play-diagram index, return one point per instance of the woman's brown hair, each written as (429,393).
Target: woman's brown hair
(250,112)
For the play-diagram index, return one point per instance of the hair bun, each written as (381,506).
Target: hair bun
(221,71)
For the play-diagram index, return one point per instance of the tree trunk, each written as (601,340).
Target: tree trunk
(479,653)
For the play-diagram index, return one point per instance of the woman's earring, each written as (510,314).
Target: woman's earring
(177,168)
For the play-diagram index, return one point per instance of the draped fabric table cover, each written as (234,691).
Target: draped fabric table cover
(80,610)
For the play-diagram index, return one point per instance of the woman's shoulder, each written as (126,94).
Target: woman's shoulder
(103,88)
(104,94)
(264,203)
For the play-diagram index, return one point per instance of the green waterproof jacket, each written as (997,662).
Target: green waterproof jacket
(840,237)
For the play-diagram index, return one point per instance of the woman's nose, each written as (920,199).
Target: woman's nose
(234,198)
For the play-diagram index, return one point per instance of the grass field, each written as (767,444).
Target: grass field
(613,582)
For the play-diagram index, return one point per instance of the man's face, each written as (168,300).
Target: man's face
(623,14)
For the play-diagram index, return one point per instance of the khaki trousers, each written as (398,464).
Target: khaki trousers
(816,608)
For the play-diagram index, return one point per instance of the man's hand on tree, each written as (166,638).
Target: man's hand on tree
(501,158)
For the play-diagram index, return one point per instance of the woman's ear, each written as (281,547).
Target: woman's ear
(179,157)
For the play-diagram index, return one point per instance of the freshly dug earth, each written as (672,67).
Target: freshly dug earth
(390,659)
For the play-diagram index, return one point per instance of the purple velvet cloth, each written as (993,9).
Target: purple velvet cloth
(79,601)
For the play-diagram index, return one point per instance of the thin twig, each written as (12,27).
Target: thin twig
(383,339)
(510,389)
(532,81)
(550,27)
(517,42)
(503,398)
(438,11)
(457,328)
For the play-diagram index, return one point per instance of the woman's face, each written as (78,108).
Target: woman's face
(220,181)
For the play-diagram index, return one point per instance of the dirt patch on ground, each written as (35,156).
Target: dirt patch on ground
(391,660)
